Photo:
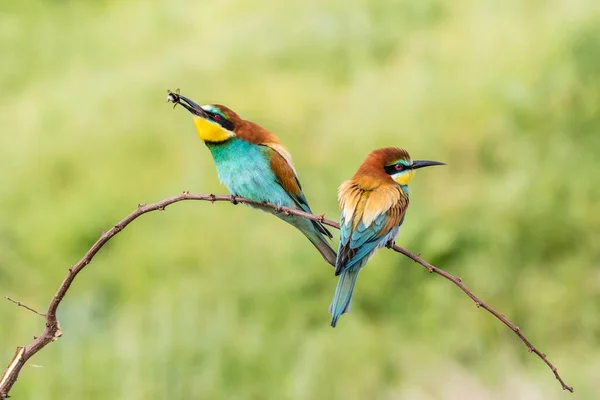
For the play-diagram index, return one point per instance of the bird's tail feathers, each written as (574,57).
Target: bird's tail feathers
(342,299)
(323,246)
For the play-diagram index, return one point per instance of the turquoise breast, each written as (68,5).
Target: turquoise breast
(244,168)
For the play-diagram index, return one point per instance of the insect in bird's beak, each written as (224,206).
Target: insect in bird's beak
(188,104)
(173,97)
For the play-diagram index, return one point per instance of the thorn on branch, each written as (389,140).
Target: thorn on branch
(160,208)
(322,218)
(141,205)
(458,279)
(118,228)
(212,198)
(71,269)
(186,192)
(478,304)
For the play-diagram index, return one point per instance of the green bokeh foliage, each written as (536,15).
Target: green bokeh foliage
(215,301)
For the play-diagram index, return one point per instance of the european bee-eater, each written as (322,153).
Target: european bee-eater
(373,205)
(252,163)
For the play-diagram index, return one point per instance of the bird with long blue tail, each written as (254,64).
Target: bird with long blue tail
(252,163)
(373,205)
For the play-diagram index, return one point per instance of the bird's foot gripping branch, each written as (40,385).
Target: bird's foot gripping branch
(52,329)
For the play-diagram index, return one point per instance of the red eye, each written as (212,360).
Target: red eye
(399,167)
(216,117)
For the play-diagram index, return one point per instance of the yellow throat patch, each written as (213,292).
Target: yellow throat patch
(210,131)
(404,178)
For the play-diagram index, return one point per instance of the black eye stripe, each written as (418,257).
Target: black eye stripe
(391,169)
(214,116)
(219,119)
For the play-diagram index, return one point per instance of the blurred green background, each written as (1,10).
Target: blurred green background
(220,302)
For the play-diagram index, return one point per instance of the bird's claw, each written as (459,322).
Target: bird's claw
(233,200)
(390,244)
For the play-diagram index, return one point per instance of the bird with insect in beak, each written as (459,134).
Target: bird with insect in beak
(373,205)
(252,163)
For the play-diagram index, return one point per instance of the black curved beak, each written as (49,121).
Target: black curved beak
(425,163)
(186,103)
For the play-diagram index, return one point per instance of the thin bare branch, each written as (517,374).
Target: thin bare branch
(53,331)
(480,304)
(21,304)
